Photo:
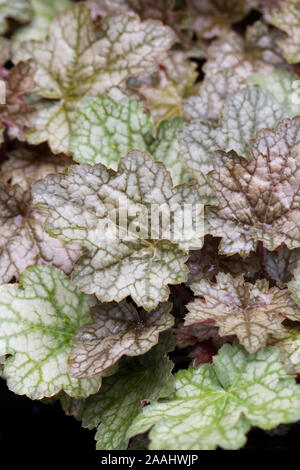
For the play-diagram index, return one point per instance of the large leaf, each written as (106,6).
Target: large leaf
(43,12)
(139,258)
(120,398)
(23,240)
(243,115)
(259,198)
(38,319)
(107,131)
(79,59)
(215,405)
(116,330)
(19,10)
(251,312)
(286,16)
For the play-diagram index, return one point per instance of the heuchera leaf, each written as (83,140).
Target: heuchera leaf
(16,114)
(289,345)
(252,312)
(243,115)
(107,131)
(79,59)
(258,52)
(207,104)
(19,10)
(259,198)
(23,239)
(283,86)
(116,330)
(43,12)
(38,319)
(85,207)
(286,16)
(25,166)
(281,263)
(120,398)
(214,18)
(215,405)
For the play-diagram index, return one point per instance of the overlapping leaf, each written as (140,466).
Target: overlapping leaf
(215,405)
(285,15)
(15,113)
(258,52)
(259,198)
(23,240)
(139,258)
(211,18)
(38,319)
(252,312)
(107,131)
(243,115)
(19,10)
(79,59)
(280,264)
(116,330)
(120,398)
(25,166)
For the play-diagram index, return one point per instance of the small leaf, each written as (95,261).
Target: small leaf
(251,312)
(116,330)
(79,59)
(281,263)
(258,198)
(289,345)
(140,258)
(215,405)
(38,319)
(120,398)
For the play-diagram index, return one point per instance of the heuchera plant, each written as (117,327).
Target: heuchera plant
(150,215)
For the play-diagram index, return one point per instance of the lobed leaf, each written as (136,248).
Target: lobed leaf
(116,330)
(251,312)
(215,405)
(38,319)
(80,59)
(259,198)
(140,259)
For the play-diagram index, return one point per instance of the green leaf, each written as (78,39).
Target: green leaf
(243,216)
(215,405)
(139,257)
(251,312)
(116,330)
(119,400)
(80,59)
(243,115)
(107,131)
(19,10)
(38,319)
(283,86)
(286,16)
